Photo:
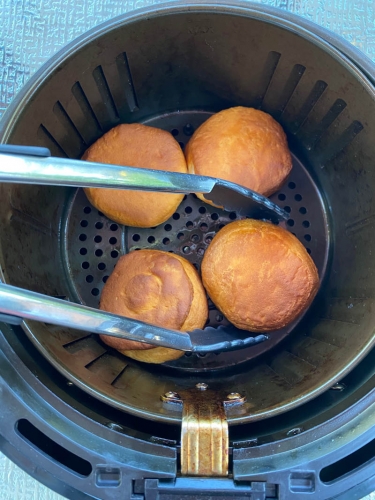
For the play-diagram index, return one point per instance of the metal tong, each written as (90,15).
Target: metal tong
(33,165)
(17,304)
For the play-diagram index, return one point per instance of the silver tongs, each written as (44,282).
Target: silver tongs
(33,165)
(17,304)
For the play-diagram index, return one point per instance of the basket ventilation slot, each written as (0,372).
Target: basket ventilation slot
(290,86)
(308,106)
(266,77)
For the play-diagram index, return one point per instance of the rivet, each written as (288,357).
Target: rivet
(339,386)
(114,427)
(186,250)
(295,431)
(201,386)
(172,395)
(233,396)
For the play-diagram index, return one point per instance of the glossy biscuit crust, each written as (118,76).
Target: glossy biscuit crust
(136,145)
(259,275)
(159,288)
(242,145)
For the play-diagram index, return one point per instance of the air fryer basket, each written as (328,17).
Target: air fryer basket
(172,71)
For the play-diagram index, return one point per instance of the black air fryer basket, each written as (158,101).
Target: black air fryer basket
(90,423)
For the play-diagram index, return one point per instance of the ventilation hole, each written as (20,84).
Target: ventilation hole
(184,198)
(95,292)
(308,250)
(186,250)
(281,197)
(200,252)
(195,238)
(287,209)
(307,237)
(114,253)
(189,224)
(221,226)
(290,222)
(233,216)
(82,237)
(113,227)
(113,240)
(166,241)
(60,455)
(298,197)
(176,216)
(188,210)
(203,227)
(202,210)
(97,238)
(202,354)
(99,225)
(83,251)
(214,216)
(170,251)
(98,252)
(105,278)
(303,210)
(306,223)
(208,240)
(219,317)
(136,237)
(85,265)
(188,129)
(168,227)
(151,239)
(87,210)
(100,214)
(196,266)
(89,278)
(292,185)
(188,354)
(182,145)
(101,266)
(180,236)
(175,132)
(84,223)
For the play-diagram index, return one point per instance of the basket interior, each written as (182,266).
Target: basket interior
(204,62)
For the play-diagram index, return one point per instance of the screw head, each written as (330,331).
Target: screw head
(172,395)
(294,432)
(339,386)
(114,427)
(233,396)
(201,386)
(69,383)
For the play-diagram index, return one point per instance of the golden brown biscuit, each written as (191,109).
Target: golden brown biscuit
(141,146)
(159,288)
(242,145)
(259,275)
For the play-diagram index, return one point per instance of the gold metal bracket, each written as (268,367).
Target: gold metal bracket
(204,432)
